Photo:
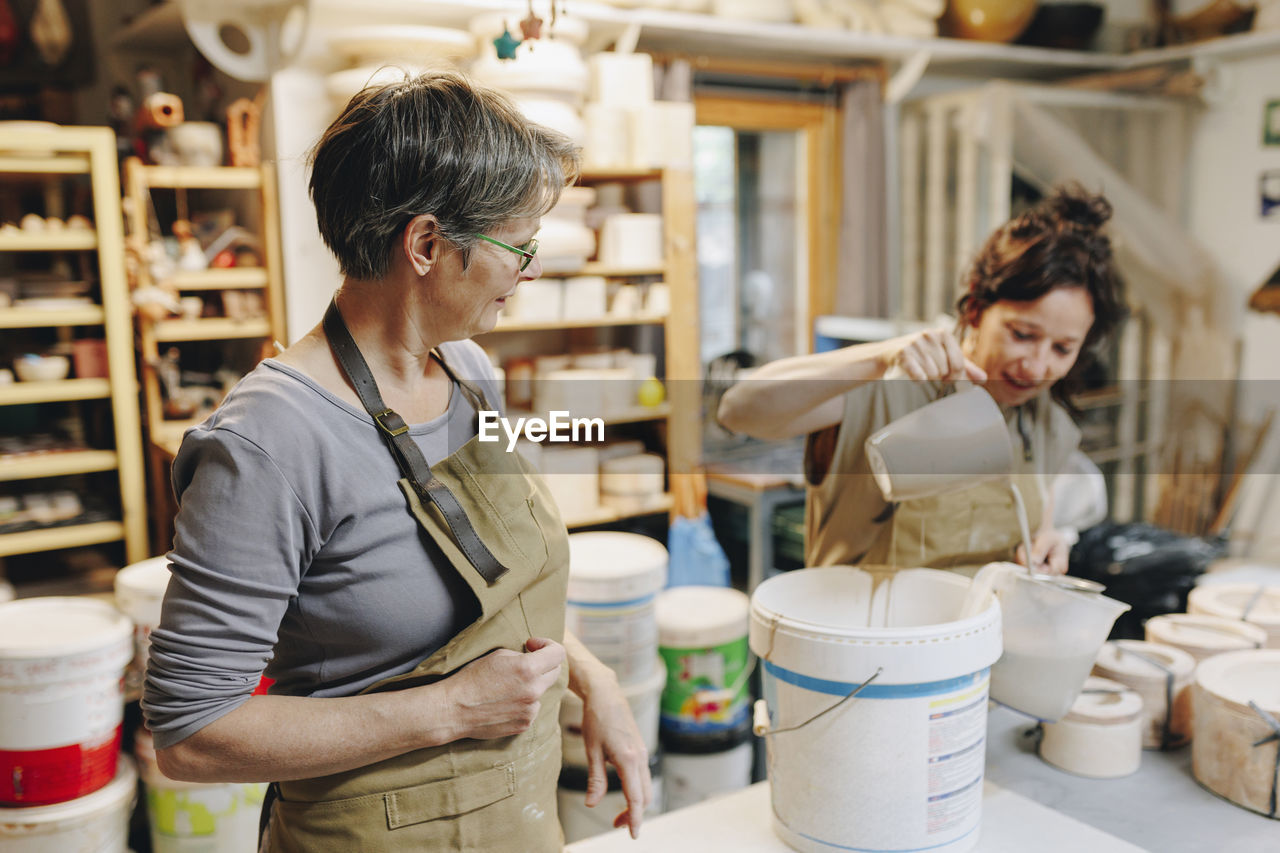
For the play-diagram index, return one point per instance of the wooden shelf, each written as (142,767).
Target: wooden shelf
(594,176)
(204,177)
(168,434)
(49,392)
(57,464)
(211,329)
(233,278)
(71,536)
(53,241)
(597,268)
(58,164)
(61,155)
(608,515)
(592,323)
(32,318)
(640,414)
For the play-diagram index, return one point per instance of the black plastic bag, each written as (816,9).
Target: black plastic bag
(1147,567)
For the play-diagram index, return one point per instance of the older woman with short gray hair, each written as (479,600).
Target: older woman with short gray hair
(343,534)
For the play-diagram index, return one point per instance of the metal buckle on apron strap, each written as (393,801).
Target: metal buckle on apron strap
(391,423)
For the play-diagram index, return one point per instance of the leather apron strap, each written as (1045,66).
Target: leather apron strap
(395,432)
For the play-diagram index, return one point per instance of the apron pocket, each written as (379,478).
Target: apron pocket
(449,797)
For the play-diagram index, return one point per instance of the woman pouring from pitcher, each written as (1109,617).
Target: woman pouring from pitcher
(341,528)
(1039,302)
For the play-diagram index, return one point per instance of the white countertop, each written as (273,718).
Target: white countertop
(742,822)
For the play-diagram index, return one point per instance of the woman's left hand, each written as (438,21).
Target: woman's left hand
(1050,553)
(610,734)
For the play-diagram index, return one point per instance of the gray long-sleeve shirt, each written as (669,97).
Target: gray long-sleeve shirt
(294,552)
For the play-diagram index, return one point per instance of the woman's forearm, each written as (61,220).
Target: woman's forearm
(277,738)
(585,669)
(802,394)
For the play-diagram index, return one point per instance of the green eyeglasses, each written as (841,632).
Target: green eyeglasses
(527,251)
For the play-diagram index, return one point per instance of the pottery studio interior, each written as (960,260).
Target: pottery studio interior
(819,425)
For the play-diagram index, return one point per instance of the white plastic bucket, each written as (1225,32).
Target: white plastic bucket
(694,777)
(96,823)
(186,817)
(899,766)
(643,700)
(139,592)
(702,637)
(61,705)
(613,581)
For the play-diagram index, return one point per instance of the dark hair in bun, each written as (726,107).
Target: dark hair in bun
(1058,243)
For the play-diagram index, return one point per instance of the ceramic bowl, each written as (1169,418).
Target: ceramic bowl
(987,20)
(37,368)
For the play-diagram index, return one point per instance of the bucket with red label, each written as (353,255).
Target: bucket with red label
(62,662)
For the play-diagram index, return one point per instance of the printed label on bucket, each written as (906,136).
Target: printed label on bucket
(204,819)
(622,634)
(706,688)
(909,759)
(57,774)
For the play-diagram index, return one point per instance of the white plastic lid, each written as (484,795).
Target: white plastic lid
(1105,702)
(1242,677)
(698,616)
(614,566)
(140,590)
(54,626)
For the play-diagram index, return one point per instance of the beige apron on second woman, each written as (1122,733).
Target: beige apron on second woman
(849,523)
(479,795)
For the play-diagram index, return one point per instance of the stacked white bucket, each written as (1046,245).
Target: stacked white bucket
(705,727)
(183,817)
(899,765)
(614,580)
(63,785)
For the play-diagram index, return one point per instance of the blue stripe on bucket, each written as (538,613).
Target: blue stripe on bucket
(835,846)
(602,604)
(873,690)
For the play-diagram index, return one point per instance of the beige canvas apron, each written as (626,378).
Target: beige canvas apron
(482,795)
(961,530)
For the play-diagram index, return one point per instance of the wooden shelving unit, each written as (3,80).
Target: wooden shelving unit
(53,157)
(141,182)
(677,420)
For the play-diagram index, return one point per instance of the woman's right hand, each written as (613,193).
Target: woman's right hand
(500,694)
(932,355)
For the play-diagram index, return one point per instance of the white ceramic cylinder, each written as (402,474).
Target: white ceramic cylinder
(1256,604)
(1161,675)
(1224,757)
(1101,736)
(1203,636)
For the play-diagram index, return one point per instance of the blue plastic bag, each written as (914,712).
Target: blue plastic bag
(696,558)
